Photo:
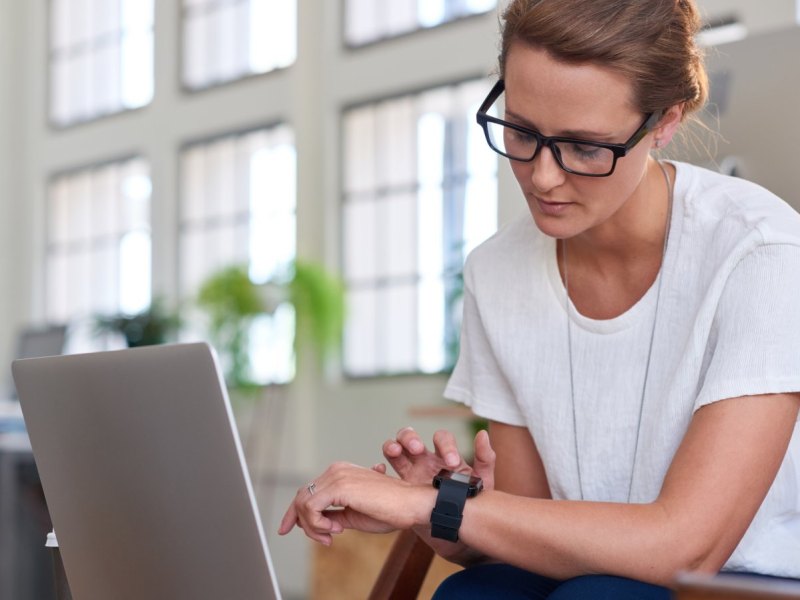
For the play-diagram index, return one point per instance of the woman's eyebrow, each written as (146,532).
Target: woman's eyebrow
(520,120)
(573,133)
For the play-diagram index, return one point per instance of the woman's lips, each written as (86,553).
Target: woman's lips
(550,207)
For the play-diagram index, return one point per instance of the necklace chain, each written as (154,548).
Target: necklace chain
(649,351)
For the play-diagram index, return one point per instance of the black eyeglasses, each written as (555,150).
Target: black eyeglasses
(579,157)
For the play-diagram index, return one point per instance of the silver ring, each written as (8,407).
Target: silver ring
(311,487)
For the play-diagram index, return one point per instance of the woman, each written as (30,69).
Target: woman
(634,344)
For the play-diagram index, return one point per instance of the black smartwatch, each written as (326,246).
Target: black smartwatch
(454,489)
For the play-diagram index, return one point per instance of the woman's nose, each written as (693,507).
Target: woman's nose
(546,173)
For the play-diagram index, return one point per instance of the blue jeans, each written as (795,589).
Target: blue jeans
(510,583)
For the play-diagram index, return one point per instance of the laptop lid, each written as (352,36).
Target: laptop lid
(144,475)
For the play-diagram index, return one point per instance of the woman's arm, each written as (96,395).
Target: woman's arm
(719,476)
(518,467)
(718,479)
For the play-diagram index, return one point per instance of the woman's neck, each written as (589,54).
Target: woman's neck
(613,265)
(635,232)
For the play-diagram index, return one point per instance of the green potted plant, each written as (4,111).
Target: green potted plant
(232,300)
(154,325)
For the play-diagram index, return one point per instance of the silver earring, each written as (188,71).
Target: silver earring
(658,143)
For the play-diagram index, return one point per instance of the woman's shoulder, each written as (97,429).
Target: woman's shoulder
(721,203)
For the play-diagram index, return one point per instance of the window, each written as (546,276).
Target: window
(368,21)
(101,58)
(420,191)
(225,40)
(98,243)
(238,207)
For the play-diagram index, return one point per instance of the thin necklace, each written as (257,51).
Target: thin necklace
(649,351)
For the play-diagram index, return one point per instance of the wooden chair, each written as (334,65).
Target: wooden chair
(404,569)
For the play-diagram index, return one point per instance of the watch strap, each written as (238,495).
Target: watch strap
(447,513)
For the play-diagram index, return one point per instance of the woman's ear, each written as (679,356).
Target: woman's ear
(668,125)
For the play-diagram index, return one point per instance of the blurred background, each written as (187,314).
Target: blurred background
(298,182)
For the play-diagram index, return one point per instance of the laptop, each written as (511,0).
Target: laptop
(144,475)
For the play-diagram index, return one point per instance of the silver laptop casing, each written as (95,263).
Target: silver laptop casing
(144,475)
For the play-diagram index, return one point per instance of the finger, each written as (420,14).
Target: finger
(325,539)
(288,521)
(410,441)
(402,465)
(339,519)
(392,449)
(292,515)
(396,455)
(485,459)
(446,448)
(320,523)
(316,525)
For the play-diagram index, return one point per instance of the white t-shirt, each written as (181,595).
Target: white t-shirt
(728,325)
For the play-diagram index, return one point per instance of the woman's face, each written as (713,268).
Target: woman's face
(581,101)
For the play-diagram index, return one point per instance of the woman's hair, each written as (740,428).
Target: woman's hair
(651,42)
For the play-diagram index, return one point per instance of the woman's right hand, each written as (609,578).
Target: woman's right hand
(416,464)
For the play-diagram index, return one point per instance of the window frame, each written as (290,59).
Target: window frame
(48,221)
(188,90)
(374,99)
(402,37)
(182,293)
(98,117)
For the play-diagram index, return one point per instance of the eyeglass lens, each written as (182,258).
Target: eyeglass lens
(582,158)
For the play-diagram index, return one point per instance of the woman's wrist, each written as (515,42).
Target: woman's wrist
(454,552)
(424,507)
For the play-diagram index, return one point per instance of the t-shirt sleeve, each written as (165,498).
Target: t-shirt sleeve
(757,328)
(478,380)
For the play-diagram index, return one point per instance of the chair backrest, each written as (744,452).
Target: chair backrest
(404,569)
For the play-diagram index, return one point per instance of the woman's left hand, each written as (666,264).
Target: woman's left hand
(347,496)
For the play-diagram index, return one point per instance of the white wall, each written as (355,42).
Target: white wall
(758,122)
(15,213)
(763,15)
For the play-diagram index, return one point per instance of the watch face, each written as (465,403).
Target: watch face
(475,484)
(461,477)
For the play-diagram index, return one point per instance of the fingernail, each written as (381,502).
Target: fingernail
(452,459)
(415,445)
